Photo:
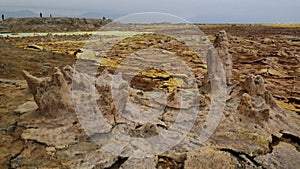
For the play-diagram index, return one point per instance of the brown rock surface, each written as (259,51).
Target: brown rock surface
(284,155)
(259,129)
(146,163)
(208,157)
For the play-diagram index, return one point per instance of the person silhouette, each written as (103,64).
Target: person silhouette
(2,16)
(41,15)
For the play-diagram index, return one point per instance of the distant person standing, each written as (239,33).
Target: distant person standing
(50,15)
(41,15)
(3,17)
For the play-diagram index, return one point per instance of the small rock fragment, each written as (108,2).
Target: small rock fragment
(34,47)
(26,107)
(50,150)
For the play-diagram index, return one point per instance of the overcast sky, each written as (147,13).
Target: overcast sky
(215,11)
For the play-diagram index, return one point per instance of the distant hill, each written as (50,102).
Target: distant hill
(19,14)
(47,24)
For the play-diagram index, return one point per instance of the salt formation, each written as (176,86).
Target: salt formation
(245,138)
(257,101)
(52,95)
(249,108)
(221,44)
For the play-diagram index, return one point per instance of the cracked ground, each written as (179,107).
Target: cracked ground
(247,136)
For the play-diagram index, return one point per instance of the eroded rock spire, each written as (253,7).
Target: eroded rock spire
(52,95)
(221,44)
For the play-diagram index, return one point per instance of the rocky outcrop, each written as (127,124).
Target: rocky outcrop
(108,106)
(256,102)
(249,108)
(221,44)
(254,85)
(56,126)
(52,91)
(120,127)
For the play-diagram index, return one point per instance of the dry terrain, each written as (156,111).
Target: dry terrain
(259,126)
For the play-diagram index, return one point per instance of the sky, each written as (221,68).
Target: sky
(200,11)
